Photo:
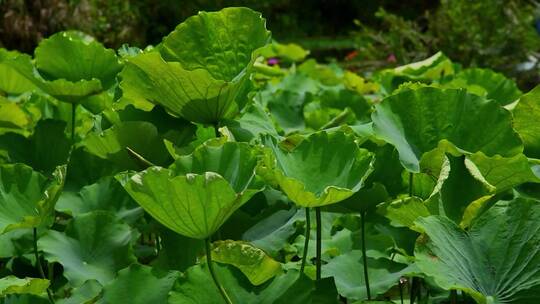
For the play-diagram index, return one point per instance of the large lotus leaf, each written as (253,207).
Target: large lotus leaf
(27,198)
(220,42)
(202,68)
(485,82)
(75,56)
(347,271)
(14,285)
(11,81)
(140,284)
(194,205)
(496,261)
(415,121)
(192,94)
(325,168)
(197,287)
(46,149)
(252,261)
(234,161)
(94,246)
(139,136)
(526,118)
(65,90)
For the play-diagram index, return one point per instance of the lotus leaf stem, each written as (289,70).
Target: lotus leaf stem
(213,274)
(39,266)
(306,241)
(319,242)
(364,256)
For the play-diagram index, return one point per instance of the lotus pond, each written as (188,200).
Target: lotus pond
(220,166)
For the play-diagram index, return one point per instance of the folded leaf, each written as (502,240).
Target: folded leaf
(496,261)
(324,168)
(252,261)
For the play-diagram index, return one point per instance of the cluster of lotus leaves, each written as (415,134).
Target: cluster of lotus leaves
(323,169)
(419,120)
(200,191)
(201,70)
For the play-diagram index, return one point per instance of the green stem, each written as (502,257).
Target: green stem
(411,181)
(39,266)
(139,159)
(364,256)
(319,242)
(73,114)
(306,241)
(213,274)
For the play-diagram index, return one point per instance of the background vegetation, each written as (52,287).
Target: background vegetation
(366,35)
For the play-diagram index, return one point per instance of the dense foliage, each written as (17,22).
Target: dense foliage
(221,167)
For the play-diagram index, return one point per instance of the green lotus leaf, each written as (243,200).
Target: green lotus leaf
(415,121)
(172,243)
(74,56)
(428,70)
(485,82)
(106,194)
(383,274)
(252,261)
(496,261)
(62,89)
(13,285)
(289,52)
(141,284)
(233,161)
(197,287)
(27,198)
(87,293)
(44,150)
(94,246)
(194,95)
(200,191)
(11,81)
(220,42)
(404,212)
(202,68)
(286,108)
(323,169)
(526,118)
(139,136)
(14,118)
(194,205)
(253,122)
(272,233)
(498,173)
